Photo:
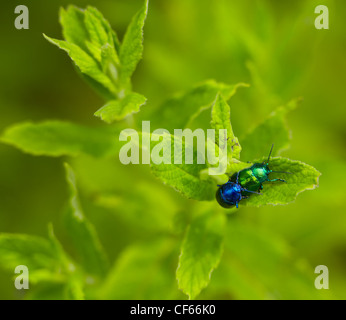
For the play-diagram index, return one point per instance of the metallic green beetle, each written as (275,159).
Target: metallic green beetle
(253,177)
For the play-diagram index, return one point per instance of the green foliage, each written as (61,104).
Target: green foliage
(221,119)
(103,61)
(38,254)
(143,270)
(118,109)
(85,63)
(302,177)
(58,138)
(132,212)
(200,253)
(161,219)
(73,27)
(82,232)
(255,260)
(132,45)
(257,141)
(190,104)
(184,177)
(46,260)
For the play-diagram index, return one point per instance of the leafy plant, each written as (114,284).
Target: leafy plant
(107,65)
(105,62)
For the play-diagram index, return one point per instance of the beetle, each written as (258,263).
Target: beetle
(252,178)
(231,193)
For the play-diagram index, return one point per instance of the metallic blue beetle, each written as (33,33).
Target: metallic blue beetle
(230,194)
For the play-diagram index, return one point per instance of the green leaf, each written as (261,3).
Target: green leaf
(74,283)
(90,31)
(97,34)
(183,176)
(109,61)
(98,87)
(101,43)
(221,119)
(303,177)
(112,36)
(34,252)
(95,49)
(180,110)
(200,253)
(59,250)
(143,271)
(272,130)
(73,28)
(38,254)
(116,110)
(82,232)
(58,138)
(81,26)
(86,64)
(132,45)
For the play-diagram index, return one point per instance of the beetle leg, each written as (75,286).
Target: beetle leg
(273,180)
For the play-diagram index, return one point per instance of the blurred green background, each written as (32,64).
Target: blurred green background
(273,46)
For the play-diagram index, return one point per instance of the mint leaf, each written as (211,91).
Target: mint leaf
(82,232)
(184,177)
(180,110)
(186,180)
(200,253)
(38,254)
(97,33)
(109,61)
(221,119)
(272,130)
(86,64)
(303,177)
(58,138)
(73,28)
(102,61)
(132,45)
(34,252)
(118,109)
(102,44)
(90,31)
(112,36)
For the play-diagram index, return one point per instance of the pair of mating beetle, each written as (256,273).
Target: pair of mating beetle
(245,182)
